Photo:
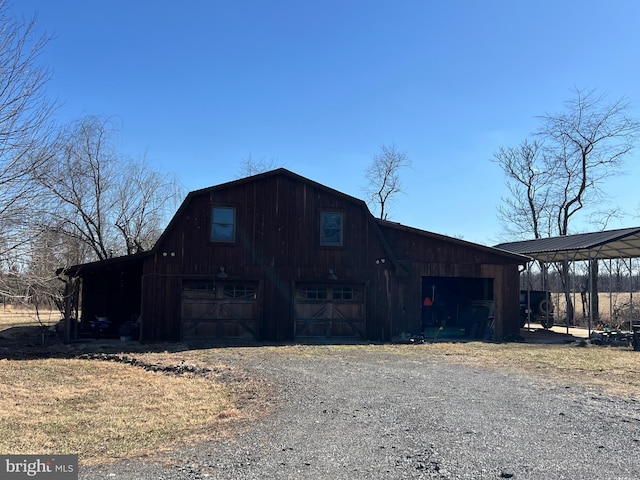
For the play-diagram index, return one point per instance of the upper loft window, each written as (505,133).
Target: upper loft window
(223,224)
(331,233)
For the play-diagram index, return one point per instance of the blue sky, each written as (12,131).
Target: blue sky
(198,86)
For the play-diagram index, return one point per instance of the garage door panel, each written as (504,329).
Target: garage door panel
(199,309)
(199,328)
(233,310)
(329,311)
(207,328)
(348,319)
(348,328)
(221,311)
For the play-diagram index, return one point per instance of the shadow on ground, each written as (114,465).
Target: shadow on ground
(33,342)
(542,335)
(36,342)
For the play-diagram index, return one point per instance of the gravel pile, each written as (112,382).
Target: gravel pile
(386,416)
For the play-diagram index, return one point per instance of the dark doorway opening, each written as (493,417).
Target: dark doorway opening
(457,306)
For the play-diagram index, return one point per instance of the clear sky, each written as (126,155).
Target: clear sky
(319,86)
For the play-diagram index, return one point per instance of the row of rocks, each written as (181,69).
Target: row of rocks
(180,369)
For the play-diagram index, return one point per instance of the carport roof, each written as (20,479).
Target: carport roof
(621,243)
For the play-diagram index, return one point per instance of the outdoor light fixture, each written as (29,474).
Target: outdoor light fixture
(332,275)
(222,273)
(380,260)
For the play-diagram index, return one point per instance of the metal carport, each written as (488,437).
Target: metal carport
(609,244)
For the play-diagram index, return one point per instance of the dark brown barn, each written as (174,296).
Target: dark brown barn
(277,257)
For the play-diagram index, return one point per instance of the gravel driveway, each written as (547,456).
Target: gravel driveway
(389,416)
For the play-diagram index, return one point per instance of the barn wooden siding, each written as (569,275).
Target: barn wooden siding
(431,255)
(276,254)
(110,288)
(277,245)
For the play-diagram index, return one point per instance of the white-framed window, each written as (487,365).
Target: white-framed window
(331,229)
(223,224)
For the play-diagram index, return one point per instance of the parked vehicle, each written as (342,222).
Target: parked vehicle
(538,304)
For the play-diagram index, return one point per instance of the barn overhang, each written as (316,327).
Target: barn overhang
(107,289)
(99,266)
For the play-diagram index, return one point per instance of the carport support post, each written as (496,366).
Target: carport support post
(610,291)
(590,294)
(529,294)
(631,294)
(546,288)
(567,287)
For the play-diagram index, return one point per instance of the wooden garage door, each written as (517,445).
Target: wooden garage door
(330,312)
(220,310)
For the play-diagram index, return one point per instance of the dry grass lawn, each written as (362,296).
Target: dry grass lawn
(615,370)
(105,410)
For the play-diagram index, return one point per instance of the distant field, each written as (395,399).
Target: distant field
(614,309)
(12,318)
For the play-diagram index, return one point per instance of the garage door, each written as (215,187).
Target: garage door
(220,310)
(329,312)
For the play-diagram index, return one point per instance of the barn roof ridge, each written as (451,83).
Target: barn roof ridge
(273,173)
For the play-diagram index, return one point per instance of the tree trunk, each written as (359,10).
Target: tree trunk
(567,293)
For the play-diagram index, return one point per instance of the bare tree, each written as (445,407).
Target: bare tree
(383,177)
(252,166)
(562,173)
(40,285)
(24,124)
(25,127)
(589,143)
(108,202)
(80,182)
(529,174)
(145,199)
